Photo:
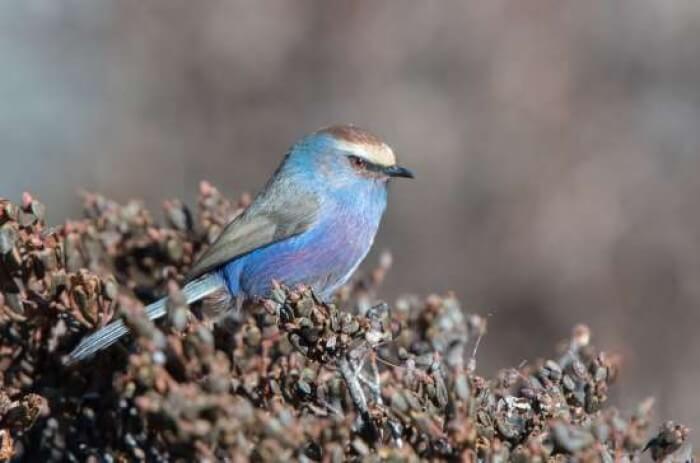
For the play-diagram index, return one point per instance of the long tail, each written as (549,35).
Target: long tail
(105,337)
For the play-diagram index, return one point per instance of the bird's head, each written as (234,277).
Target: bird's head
(344,156)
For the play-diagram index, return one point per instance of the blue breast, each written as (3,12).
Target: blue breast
(324,257)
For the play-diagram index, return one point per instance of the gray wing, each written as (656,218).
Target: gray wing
(280,212)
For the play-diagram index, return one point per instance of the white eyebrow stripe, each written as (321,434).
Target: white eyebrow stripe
(376,154)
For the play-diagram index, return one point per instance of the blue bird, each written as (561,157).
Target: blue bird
(313,224)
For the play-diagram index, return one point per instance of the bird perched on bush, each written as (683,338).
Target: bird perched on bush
(312,224)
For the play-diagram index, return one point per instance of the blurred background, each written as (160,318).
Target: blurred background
(557,145)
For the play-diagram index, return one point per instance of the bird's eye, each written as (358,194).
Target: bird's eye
(357,162)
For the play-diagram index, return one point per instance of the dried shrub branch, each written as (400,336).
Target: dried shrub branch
(285,378)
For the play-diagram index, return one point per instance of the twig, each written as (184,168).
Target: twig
(471,365)
(356,393)
(359,400)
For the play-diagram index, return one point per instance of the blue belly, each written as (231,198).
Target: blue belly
(324,258)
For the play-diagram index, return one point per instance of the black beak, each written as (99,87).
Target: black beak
(398,171)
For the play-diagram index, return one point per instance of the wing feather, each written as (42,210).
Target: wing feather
(280,212)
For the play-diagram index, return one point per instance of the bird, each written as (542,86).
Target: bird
(312,224)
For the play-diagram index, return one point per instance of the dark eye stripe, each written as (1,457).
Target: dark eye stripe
(364,164)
